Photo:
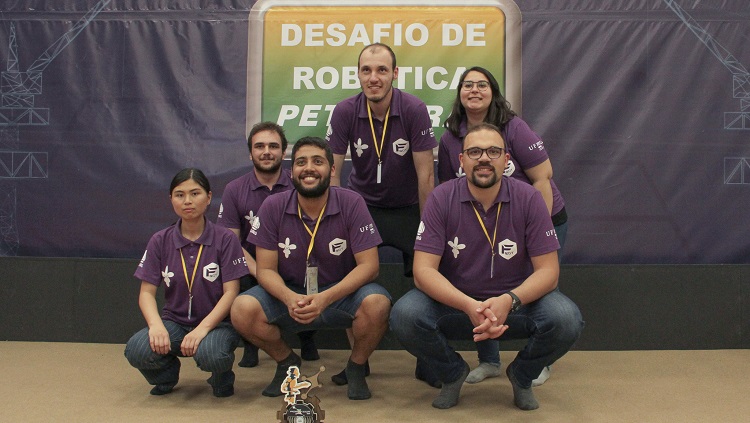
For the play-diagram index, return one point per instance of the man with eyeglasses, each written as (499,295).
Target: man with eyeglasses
(390,138)
(485,266)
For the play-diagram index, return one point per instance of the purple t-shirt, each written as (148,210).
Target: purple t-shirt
(525,147)
(346,229)
(409,130)
(221,261)
(241,202)
(450,229)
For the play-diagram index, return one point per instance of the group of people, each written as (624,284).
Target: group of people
(482,247)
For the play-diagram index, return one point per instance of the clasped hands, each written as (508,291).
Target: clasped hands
(306,308)
(489,318)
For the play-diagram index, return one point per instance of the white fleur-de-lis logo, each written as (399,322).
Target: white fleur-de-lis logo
(460,172)
(166,274)
(287,247)
(360,147)
(456,247)
(250,217)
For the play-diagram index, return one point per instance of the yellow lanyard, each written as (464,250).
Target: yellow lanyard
(378,148)
(190,281)
(494,235)
(314,232)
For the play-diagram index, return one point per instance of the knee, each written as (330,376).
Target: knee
(566,322)
(138,350)
(375,308)
(243,311)
(403,319)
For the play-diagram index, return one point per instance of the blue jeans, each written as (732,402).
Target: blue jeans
(215,354)
(488,351)
(424,326)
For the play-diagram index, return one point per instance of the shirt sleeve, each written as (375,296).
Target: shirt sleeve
(445,172)
(540,233)
(431,233)
(338,132)
(362,230)
(266,226)
(229,215)
(149,269)
(420,130)
(528,147)
(233,264)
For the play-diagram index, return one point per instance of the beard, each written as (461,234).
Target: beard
(272,168)
(313,192)
(483,183)
(378,99)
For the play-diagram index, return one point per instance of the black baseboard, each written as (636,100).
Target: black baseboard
(625,307)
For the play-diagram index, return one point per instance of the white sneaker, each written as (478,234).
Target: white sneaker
(543,376)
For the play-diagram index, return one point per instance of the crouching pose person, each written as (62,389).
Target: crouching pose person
(486,267)
(199,265)
(316,254)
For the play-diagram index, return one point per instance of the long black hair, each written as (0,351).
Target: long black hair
(498,114)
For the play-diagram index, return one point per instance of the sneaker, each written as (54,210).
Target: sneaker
(543,376)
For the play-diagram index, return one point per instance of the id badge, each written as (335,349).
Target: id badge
(311,280)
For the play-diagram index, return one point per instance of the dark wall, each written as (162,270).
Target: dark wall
(625,307)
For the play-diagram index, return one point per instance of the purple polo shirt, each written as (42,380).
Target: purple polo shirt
(525,147)
(346,229)
(409,130)
(242,199)
(450,229)
(221,261)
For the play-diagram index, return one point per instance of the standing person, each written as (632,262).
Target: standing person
(466,290)
(316,251)
(478,99)
(199,264)
(242,199)
(390,137)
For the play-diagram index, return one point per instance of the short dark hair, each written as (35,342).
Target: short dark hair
(267,126)
(374,46)
(187,174)
(315,142)
(484,126)
(498,114)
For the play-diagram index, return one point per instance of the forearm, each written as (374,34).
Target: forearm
(252,266)
(545,188)
(362,274)
(542,281)
(272,282)
(436,286)
(149,308)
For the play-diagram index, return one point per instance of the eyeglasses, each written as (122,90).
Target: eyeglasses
(481,85)
(475,153)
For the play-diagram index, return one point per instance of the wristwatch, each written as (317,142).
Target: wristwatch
(515,302)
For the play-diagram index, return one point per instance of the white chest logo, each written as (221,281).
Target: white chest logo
(250,217)
(254,224)
(360,147)
(507,249)
(287,246)
(420,230)
(166,274)
(401,147)
(460,172)
(211,272)
(143,258)
(337,246)
(221,209)
(456,247)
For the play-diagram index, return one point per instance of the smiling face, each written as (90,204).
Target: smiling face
(376,73)
(311,171)
(474,99)
(483,172)
(266,151)
(190,200)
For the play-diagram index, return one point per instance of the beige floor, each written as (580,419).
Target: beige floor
(63,382)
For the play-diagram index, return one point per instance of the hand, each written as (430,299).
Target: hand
(158,338)
(495,311)
(309,308)
(191,341)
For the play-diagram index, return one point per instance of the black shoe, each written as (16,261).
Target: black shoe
(309,351)
(162,389)
(250,356)
(224,391)
(421,372)
(341,379)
